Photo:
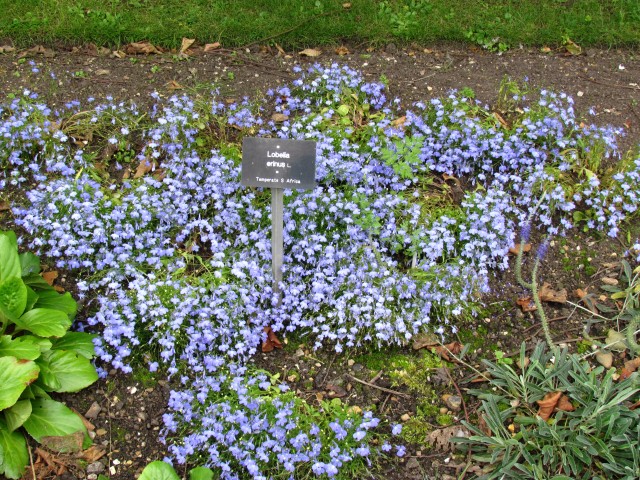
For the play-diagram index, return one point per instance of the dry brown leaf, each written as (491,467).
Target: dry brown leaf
(279,117)
(173,85)
(93,453)
(271,341)
(38,50)
(118,54)
(453,348)
(572,47)
(609,281)
(580,293)
(211,46)
(526,303)
(50,276)
(547,294)
(423,340)
(141,48)
(398,122)
(280,50)
(4,206)
(186,43)
(6,49)
(64,444)
(629,367)
(548,404)
(144,167)
(310,52)
(342,50)
(525,248)
(440,439)
(545,49)
(502,121)
(336,391)
(565,404)
(346,5)
(485,377)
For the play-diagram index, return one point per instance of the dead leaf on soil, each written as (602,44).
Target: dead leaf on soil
(144,167)
(572,47)
(47,464)
(629,367)
(545,49)
(65,444)
(500,119)
(342,50)
(93,453)
(616,341)
(173,85)
(50,276)
(484,377)
(423,340)
(525,248)
(211,46)
(526,303)
(101,72)
(271,341)
(4,206)
(310,52)
(346,5)
(279,117)
(6,49)
(38,50)
(609,281)
(448,351)
(547,294)
(440,439)
(280,50)
(141,48)
(186,43)
(604,358)
(118,54)
(336,391)
(565,404)
(548,404)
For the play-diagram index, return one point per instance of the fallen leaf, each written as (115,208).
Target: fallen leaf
(440,439)
(604,358)
(280,50)
(548,404)
(6,49)
(453,348)
(629,367)
(65,443)
(615,341)
(93,453)
(483,377)
(342,50)
(186,43)
(103,71)
(500,119)
(50,276)
(211,46)
(609,281)
(525,363)
(118,54)
(526,303)
(580,293)
(336,391)
(398,122)
(271,341)
(423,340)
(346,5)
(525,248)
(173,85)
(279,117)
(547,294)
(482,425)
(4,206)
(572,47)
(140,48)
(310,52)
(545,49)
(144,167)
(38,50)
(565,404)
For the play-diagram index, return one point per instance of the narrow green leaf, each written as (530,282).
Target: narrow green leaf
(158,471)
(23,348)
(29,263)
(72,371)
(9,260)
(79,342)
(13,297)
(45,322)
(17,414)
(15,376)
(53,419)
(52,299)
(14,452)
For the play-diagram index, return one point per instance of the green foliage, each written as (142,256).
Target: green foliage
(37,355)
(599,439)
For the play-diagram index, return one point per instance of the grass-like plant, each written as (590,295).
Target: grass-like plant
(38,355)
(599,438)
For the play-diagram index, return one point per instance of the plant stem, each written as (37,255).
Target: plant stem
(519,277)
(631,333)
(540,309)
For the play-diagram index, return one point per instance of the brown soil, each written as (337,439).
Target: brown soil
(131,409)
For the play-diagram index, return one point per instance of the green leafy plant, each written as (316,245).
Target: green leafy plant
(163,471)
(598,436)
(38,355)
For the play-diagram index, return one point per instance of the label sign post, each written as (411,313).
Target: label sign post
(278,164)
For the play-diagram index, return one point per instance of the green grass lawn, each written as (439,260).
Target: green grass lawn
(496,24)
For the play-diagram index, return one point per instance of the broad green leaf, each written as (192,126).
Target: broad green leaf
(17,414)
(53,419)
(13,297)
(14,452)
(9,260)
(47,378)
(36,282)
(34,391)
(45,322)
(73,372)
(201,473)
(52,299)
(158,471)
(15,376)
(29,263)
(11,235)
(78,342)
(32,298)
(23,348)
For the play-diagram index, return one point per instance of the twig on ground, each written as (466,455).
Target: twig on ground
(384,404)
(388,390)
(328,370)
(464,405)
(377,377)
(33,468)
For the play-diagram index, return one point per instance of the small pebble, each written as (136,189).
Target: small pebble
(93,411)
(100,432)
(95,467)
(405,417)
(351,362)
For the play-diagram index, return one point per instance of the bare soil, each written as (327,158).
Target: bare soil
(131,408)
